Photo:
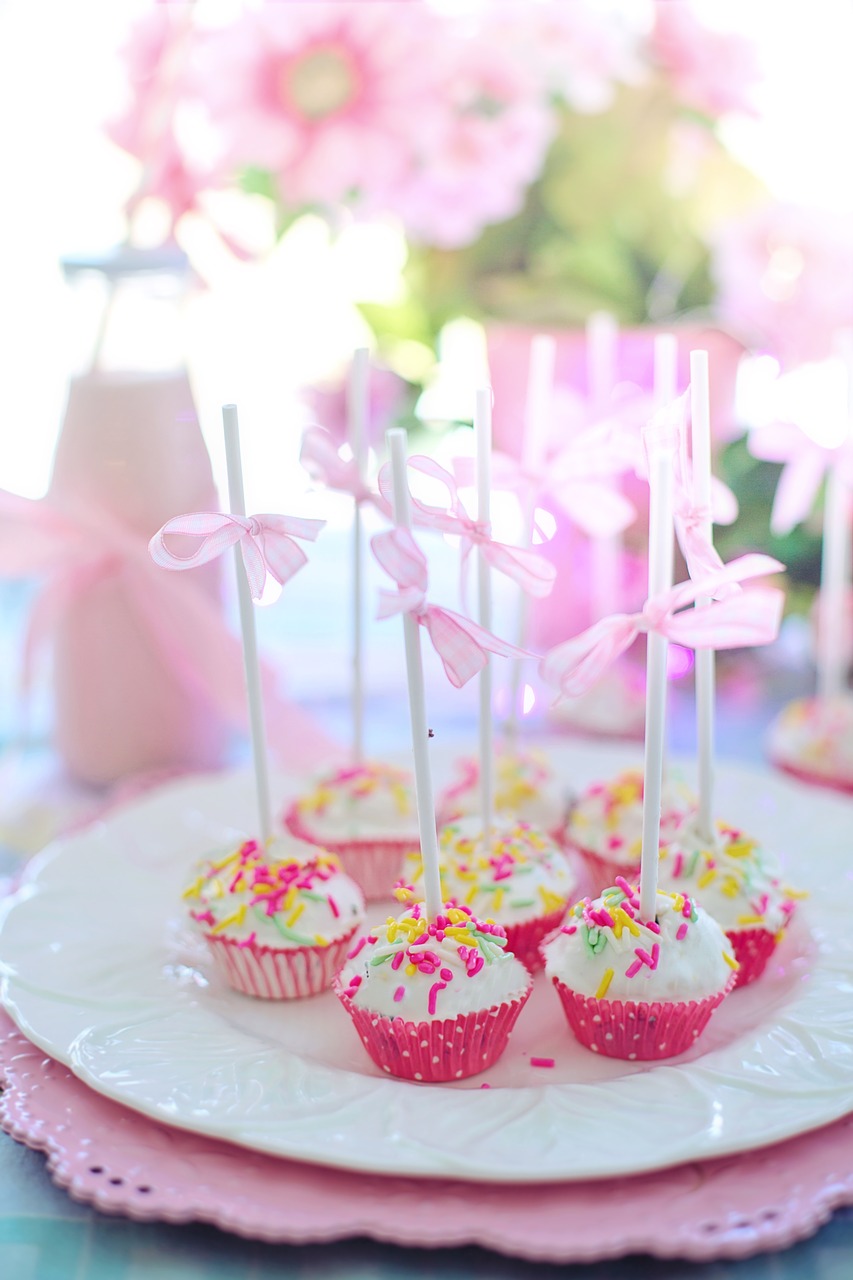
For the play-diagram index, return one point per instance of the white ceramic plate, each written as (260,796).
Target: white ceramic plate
(101,973)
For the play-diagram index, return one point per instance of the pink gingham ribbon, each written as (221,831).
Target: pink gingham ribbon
(461,644)
(320,457)
(533,573)
(267,543)
(749,618)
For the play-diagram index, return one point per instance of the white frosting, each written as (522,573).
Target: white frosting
(816,736)
(520,876)
(688,968)
(525,788)
(734,881)
(607,819)
(237,896)
(372,983)
(370,801)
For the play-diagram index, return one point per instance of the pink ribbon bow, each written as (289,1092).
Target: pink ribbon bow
(266,543)
(533,573)
(749,618)
(806,463)
(77,546)
(320,457)
(460,643)
(668,429)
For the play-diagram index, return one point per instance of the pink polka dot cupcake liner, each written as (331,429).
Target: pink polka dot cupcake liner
(274,973)
(524,939)
(435,1052)
(375,865)
(753,948)
(637,1031)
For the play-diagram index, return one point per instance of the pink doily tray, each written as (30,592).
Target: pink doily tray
(121,1162)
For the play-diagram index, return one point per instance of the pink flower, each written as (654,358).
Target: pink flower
(712,71)
(335,99)
(489,145)
(784,275)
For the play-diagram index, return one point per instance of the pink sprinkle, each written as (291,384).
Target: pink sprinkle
(679,865)
(655,955)
(687,909)
(653,925)
(334,906)
(358,946)
(541,1062)
(399,993)
(682,930)
(485,1086)
(571,928)
(433,995)
(622,883)
(355,980)
(446,975)
(397,959)
(615,842)
(634,969)
(248,942)
(372,938)
(644,956)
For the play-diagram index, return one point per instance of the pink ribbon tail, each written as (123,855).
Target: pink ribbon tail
(461,644)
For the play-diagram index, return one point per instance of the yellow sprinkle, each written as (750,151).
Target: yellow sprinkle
(470,896)
(625,920)
(730,887)
(320,940)
(497,899)
(779,936)
(604,984)
(392,930)
(288,898)
(295,914)
(552,901)
(237,918)
(678,901)
(401,797)
(730,960)
(411,969)
(706,878)
(750,919)
(469,875)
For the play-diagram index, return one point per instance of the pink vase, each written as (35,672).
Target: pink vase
(131,448)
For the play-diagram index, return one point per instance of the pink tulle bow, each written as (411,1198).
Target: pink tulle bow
(749,618)
(266,543)
(533,573)
(461,644)
(806,463)
(322,460)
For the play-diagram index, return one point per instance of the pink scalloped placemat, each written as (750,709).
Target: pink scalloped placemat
(121,1162)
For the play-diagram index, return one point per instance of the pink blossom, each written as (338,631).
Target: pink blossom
(712,71)
(784,276)
(489,145)
(334,99)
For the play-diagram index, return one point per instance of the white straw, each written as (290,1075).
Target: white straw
(660,540)
(705,658)
(395,439)
(537,423)
(247,626)
(602,335)
(832,658)
(483,447)
(665,369)
(357,390)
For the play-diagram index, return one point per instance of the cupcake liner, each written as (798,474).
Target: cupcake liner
(375,865)
(835,782)
(279,973)
(637,1031)
(752,948)
(523,939)
(438,1051)
(603,871)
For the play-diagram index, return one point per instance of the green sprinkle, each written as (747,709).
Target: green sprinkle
(383,959)
(301,939)
(314,897)
(522,902)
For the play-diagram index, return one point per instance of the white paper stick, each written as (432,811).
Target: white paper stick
(705,658)
(357,391)
(483,447)
(237,503)
(665,391)
(537,423)
(660,539)
(832,655)
(395,439)
(602,336)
